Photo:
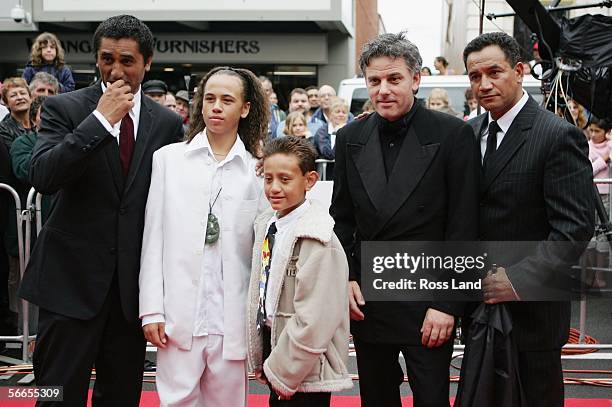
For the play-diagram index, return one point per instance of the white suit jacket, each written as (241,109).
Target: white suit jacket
(173,240)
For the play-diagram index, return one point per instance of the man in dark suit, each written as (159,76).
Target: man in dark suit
(94,151)
(403,173)
(536,185)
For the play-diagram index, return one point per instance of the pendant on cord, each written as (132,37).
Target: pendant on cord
(212,224)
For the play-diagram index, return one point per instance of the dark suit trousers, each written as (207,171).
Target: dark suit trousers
(298,399)
(542,378)
(380,374)
(68,348)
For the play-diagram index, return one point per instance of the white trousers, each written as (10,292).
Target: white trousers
(200,377)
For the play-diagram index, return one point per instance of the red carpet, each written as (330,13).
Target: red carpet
(150,399)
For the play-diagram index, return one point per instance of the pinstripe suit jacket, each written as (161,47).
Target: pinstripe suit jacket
(537,187)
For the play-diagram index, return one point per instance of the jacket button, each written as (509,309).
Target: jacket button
(113,250)
(122,211)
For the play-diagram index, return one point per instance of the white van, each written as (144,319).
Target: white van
(355,93)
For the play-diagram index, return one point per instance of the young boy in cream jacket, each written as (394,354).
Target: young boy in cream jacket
(298,320)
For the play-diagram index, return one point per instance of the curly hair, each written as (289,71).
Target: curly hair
(41,42)
(253,128)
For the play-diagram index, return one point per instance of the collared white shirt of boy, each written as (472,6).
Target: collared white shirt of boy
(134,114)
(280,253)
(504,124)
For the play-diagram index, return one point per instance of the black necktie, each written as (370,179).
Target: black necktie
(491,142)
(263,281)
(270,236)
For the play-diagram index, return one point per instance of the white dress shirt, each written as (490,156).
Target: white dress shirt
(134,114)
(280,252)
(504,124)
(209,307)
(332,130)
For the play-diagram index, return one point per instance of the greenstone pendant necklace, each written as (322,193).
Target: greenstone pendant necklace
(212,223)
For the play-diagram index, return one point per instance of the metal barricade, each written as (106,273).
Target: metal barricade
(33,211)
(19,217)
(322,168)
(583,296)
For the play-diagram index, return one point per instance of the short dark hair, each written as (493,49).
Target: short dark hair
(299,91)
(602,123)
(508,45)
(311,87)
(299,147)
(393,46)
(126,26)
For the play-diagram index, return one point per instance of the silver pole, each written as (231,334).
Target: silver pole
(19,218)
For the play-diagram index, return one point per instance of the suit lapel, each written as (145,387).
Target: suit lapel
(412,162)
(111,150)
(368,160)
(112,156)
(414,158)
(142,139)
(478,124)
(513,140)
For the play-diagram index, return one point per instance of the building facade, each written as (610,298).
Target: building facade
(293,43)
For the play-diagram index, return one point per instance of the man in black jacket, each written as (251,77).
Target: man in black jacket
(94,151)
(403,173)
(536,186)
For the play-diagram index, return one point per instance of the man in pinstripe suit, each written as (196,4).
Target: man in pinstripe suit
(536,185)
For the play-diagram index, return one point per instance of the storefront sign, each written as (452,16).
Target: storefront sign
(190,48)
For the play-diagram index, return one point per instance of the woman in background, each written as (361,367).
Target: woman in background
(438,100)
(325,139)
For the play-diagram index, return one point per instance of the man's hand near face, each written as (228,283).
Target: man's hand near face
(116,102)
